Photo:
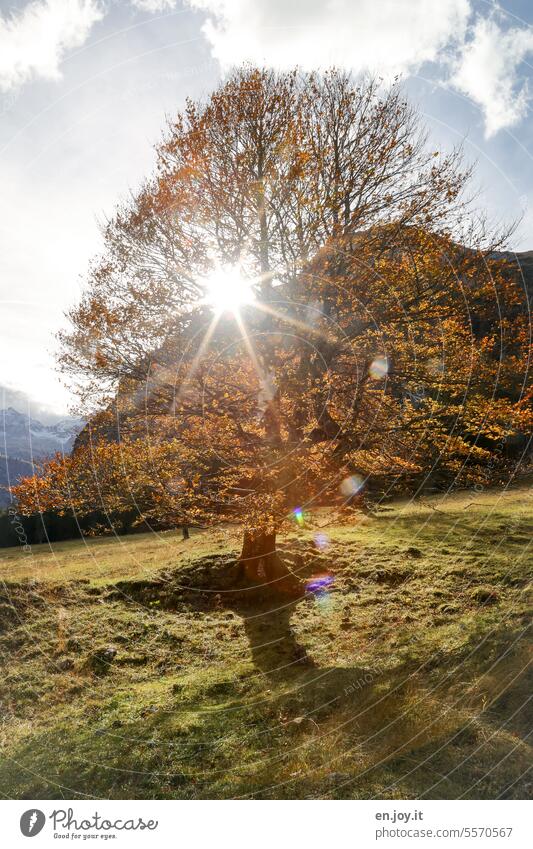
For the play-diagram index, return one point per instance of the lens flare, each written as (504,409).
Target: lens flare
(299,515)
(322,541)
(379,368)
(351,486)
(436,366)
(318,586)
(319,583)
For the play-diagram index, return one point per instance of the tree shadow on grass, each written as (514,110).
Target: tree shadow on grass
(291,729)
(295,684)
(301,730)
(275,649)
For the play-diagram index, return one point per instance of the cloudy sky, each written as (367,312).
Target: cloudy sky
(85,86)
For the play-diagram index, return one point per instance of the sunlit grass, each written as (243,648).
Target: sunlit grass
(416,681)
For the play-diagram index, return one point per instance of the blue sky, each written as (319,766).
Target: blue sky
(85,86)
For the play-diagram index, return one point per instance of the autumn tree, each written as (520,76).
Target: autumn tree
(289,299)
(156,483)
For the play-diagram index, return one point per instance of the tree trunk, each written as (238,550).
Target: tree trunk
(262,566)
(185,531)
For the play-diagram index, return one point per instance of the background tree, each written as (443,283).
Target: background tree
(120,482)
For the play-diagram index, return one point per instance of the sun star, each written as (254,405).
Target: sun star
(227,290)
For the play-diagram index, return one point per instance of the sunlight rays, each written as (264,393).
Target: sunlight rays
(227,291)
(196,361)
(295,322)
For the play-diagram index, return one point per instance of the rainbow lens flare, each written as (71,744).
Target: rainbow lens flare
(299,515)
(319,584)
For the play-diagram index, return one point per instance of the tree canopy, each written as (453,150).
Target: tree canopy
(299,301)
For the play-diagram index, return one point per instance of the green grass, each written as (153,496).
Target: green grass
(408,679)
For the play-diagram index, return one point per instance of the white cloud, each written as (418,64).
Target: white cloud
(487,71)
(34,41)
(381,36)
(25,403)
(385,37)
(154,6)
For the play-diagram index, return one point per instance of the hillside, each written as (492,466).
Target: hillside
(131,670)
(524,261)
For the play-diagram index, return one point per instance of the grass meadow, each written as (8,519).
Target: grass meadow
(132,670)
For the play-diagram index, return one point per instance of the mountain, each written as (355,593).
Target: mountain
(24,439)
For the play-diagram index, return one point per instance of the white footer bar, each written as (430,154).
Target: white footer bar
(264,825)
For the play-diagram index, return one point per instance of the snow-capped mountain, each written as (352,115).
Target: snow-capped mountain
(24,439)
(27,438)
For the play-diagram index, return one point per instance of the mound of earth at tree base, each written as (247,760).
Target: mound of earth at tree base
(221,577)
